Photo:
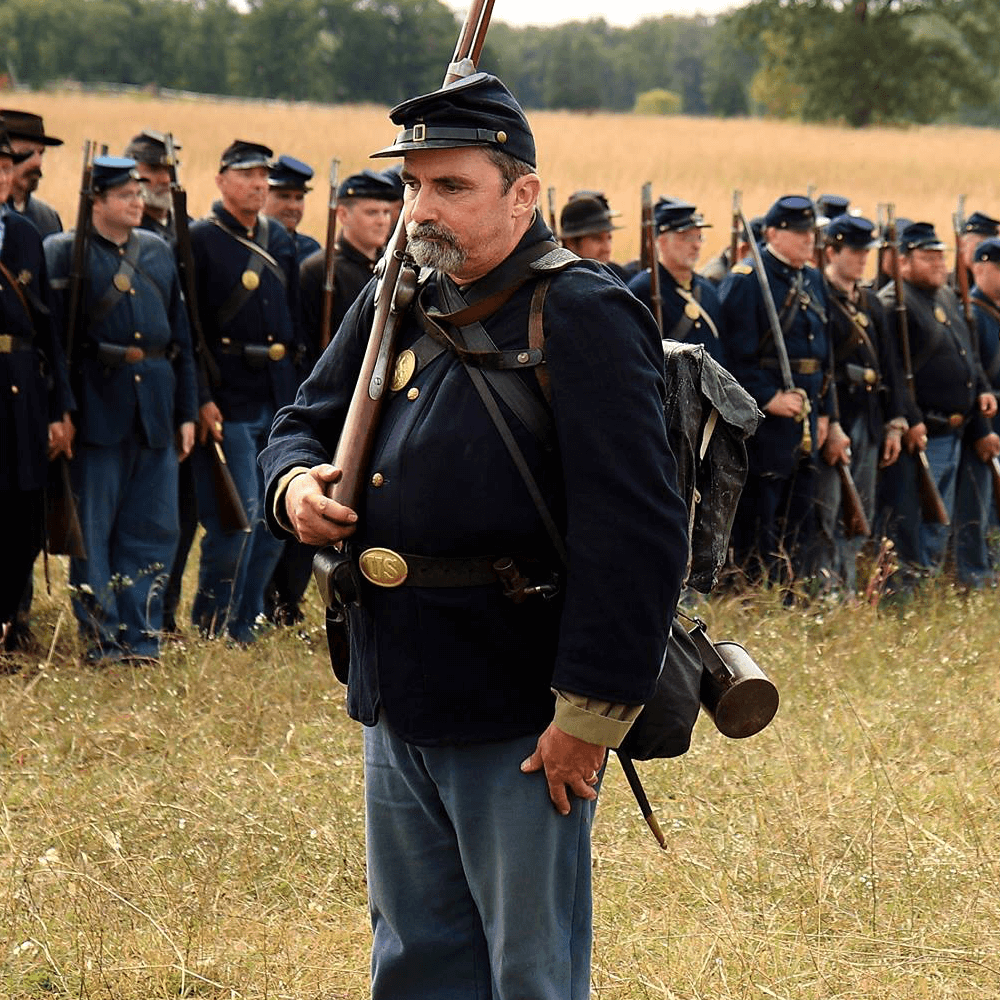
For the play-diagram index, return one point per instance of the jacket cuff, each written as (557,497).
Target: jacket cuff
(280,514)
(602,723)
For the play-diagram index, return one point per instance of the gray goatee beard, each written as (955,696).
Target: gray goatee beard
(435,246)
(160,201)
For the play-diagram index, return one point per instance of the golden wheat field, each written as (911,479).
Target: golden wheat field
(196,829)
(922,170)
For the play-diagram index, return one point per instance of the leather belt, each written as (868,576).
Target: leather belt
(801,366)
(255,354)
(9,344)
(944,423)
(115,355)
(386,568)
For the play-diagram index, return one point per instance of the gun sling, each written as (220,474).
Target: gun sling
(121,283)
(257,262)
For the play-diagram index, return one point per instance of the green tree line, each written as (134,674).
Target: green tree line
(862,61)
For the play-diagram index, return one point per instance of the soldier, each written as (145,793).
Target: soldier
(775,520)
(867,421)
(152,164)
(976,228)
(247,282)
(952,398)
(585,227)
(364,212)
(288,184)
(830,206)
(453,680)
(133,373)
(975,513)
(689,305)
(27,135)
(34,387)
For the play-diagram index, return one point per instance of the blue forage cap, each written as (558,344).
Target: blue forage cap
(477,110)
(851,231)
(988,250)
(982,224)
(368,184)
(671,215)
(792,211)
(289,173)
(919,236)
(832,205)
(112,171)
(242,155)
(392,176)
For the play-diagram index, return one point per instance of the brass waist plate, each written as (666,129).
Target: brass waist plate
(6,343)
(383,567)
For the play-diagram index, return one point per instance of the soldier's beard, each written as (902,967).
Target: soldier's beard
(159,201)
(435,246)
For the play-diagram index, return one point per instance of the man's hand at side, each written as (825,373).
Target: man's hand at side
(569,763)
(314,517)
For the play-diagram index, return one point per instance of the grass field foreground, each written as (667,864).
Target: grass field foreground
(197,829)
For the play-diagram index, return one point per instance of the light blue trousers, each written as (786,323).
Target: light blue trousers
(478,888)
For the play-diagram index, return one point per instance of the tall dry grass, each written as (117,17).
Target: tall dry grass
(921,169)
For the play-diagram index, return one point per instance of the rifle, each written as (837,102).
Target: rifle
(552,212)
(784,365)
(325,333)
(932,507)
(736,229)
(232,515)
(64,535)
(961,271)
(649,251)
(397,282)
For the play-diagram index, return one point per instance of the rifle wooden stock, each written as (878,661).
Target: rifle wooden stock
(736,229)
(395,290)
(852,510)
(232,515)
(649,245)
(63,533)
(325,333)
(932,507)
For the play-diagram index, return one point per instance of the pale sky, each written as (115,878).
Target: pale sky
(623,12)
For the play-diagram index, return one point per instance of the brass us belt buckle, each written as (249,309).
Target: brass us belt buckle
(871,376)
(276,352)
(6,343)
(383,567)
(133,355)
(955,420)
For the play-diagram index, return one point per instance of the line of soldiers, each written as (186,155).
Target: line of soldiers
(155,389)
(893,382)
(145,355)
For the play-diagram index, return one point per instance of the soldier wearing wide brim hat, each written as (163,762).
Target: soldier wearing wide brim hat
(440,482)
(29,141)
(34,378)
(585,227)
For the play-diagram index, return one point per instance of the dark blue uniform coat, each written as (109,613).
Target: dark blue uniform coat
(672,305)
(268,317)
(465,664)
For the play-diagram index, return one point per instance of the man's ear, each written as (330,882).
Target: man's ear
(526,191)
